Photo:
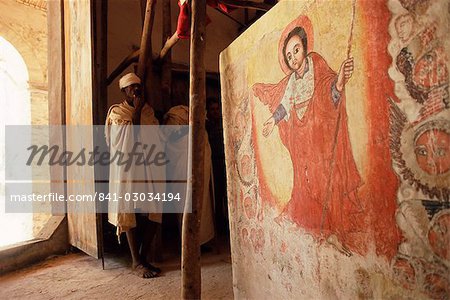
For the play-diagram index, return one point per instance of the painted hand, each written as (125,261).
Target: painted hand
(345,72)
(268,126)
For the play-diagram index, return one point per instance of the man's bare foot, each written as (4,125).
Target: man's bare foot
(333,240)
(144,272)
(152,268)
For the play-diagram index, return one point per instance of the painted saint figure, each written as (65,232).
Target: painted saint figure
(308,106)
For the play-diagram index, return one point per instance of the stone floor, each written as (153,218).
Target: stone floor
(78,276)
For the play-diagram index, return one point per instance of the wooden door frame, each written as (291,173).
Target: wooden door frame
(99,33)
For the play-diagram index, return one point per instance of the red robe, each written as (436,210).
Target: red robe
(324,196)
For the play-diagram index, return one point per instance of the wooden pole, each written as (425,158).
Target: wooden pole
(168,44)
(145,57)
(143,4)
(166,73)
(190,261)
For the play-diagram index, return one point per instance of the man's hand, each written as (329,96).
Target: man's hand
(138,103)
(345,72)
(268,126)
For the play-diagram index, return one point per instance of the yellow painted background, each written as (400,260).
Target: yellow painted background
(258,50)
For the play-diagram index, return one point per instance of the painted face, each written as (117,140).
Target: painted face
(240,126)
(432,150)
(249,207)
(431,70)
(246,166)
(294,53)
(404,25)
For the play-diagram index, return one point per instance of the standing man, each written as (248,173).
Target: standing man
(176,149)
(125,180)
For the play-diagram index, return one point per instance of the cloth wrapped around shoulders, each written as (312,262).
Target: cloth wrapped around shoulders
(120,138)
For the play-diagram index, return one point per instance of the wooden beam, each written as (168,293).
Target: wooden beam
(168,45)
(190,261)
(145,56)
(167,21)
(125,63)
(166,72)
(247,4)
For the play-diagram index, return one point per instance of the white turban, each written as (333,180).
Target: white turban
(128,80)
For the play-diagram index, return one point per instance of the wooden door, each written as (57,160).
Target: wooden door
(82,217)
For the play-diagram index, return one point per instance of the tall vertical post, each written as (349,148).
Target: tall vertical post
(191,269)
(145,57)
(166,73)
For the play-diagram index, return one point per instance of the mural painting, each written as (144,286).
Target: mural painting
(337,146)
(420,144)
(308,106)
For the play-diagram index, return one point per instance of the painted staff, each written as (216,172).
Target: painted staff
(332,239)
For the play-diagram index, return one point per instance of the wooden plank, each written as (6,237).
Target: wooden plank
(56,93)
(190,261)
(80,179)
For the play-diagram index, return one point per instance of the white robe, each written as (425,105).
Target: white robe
(177,151)
(119,134)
